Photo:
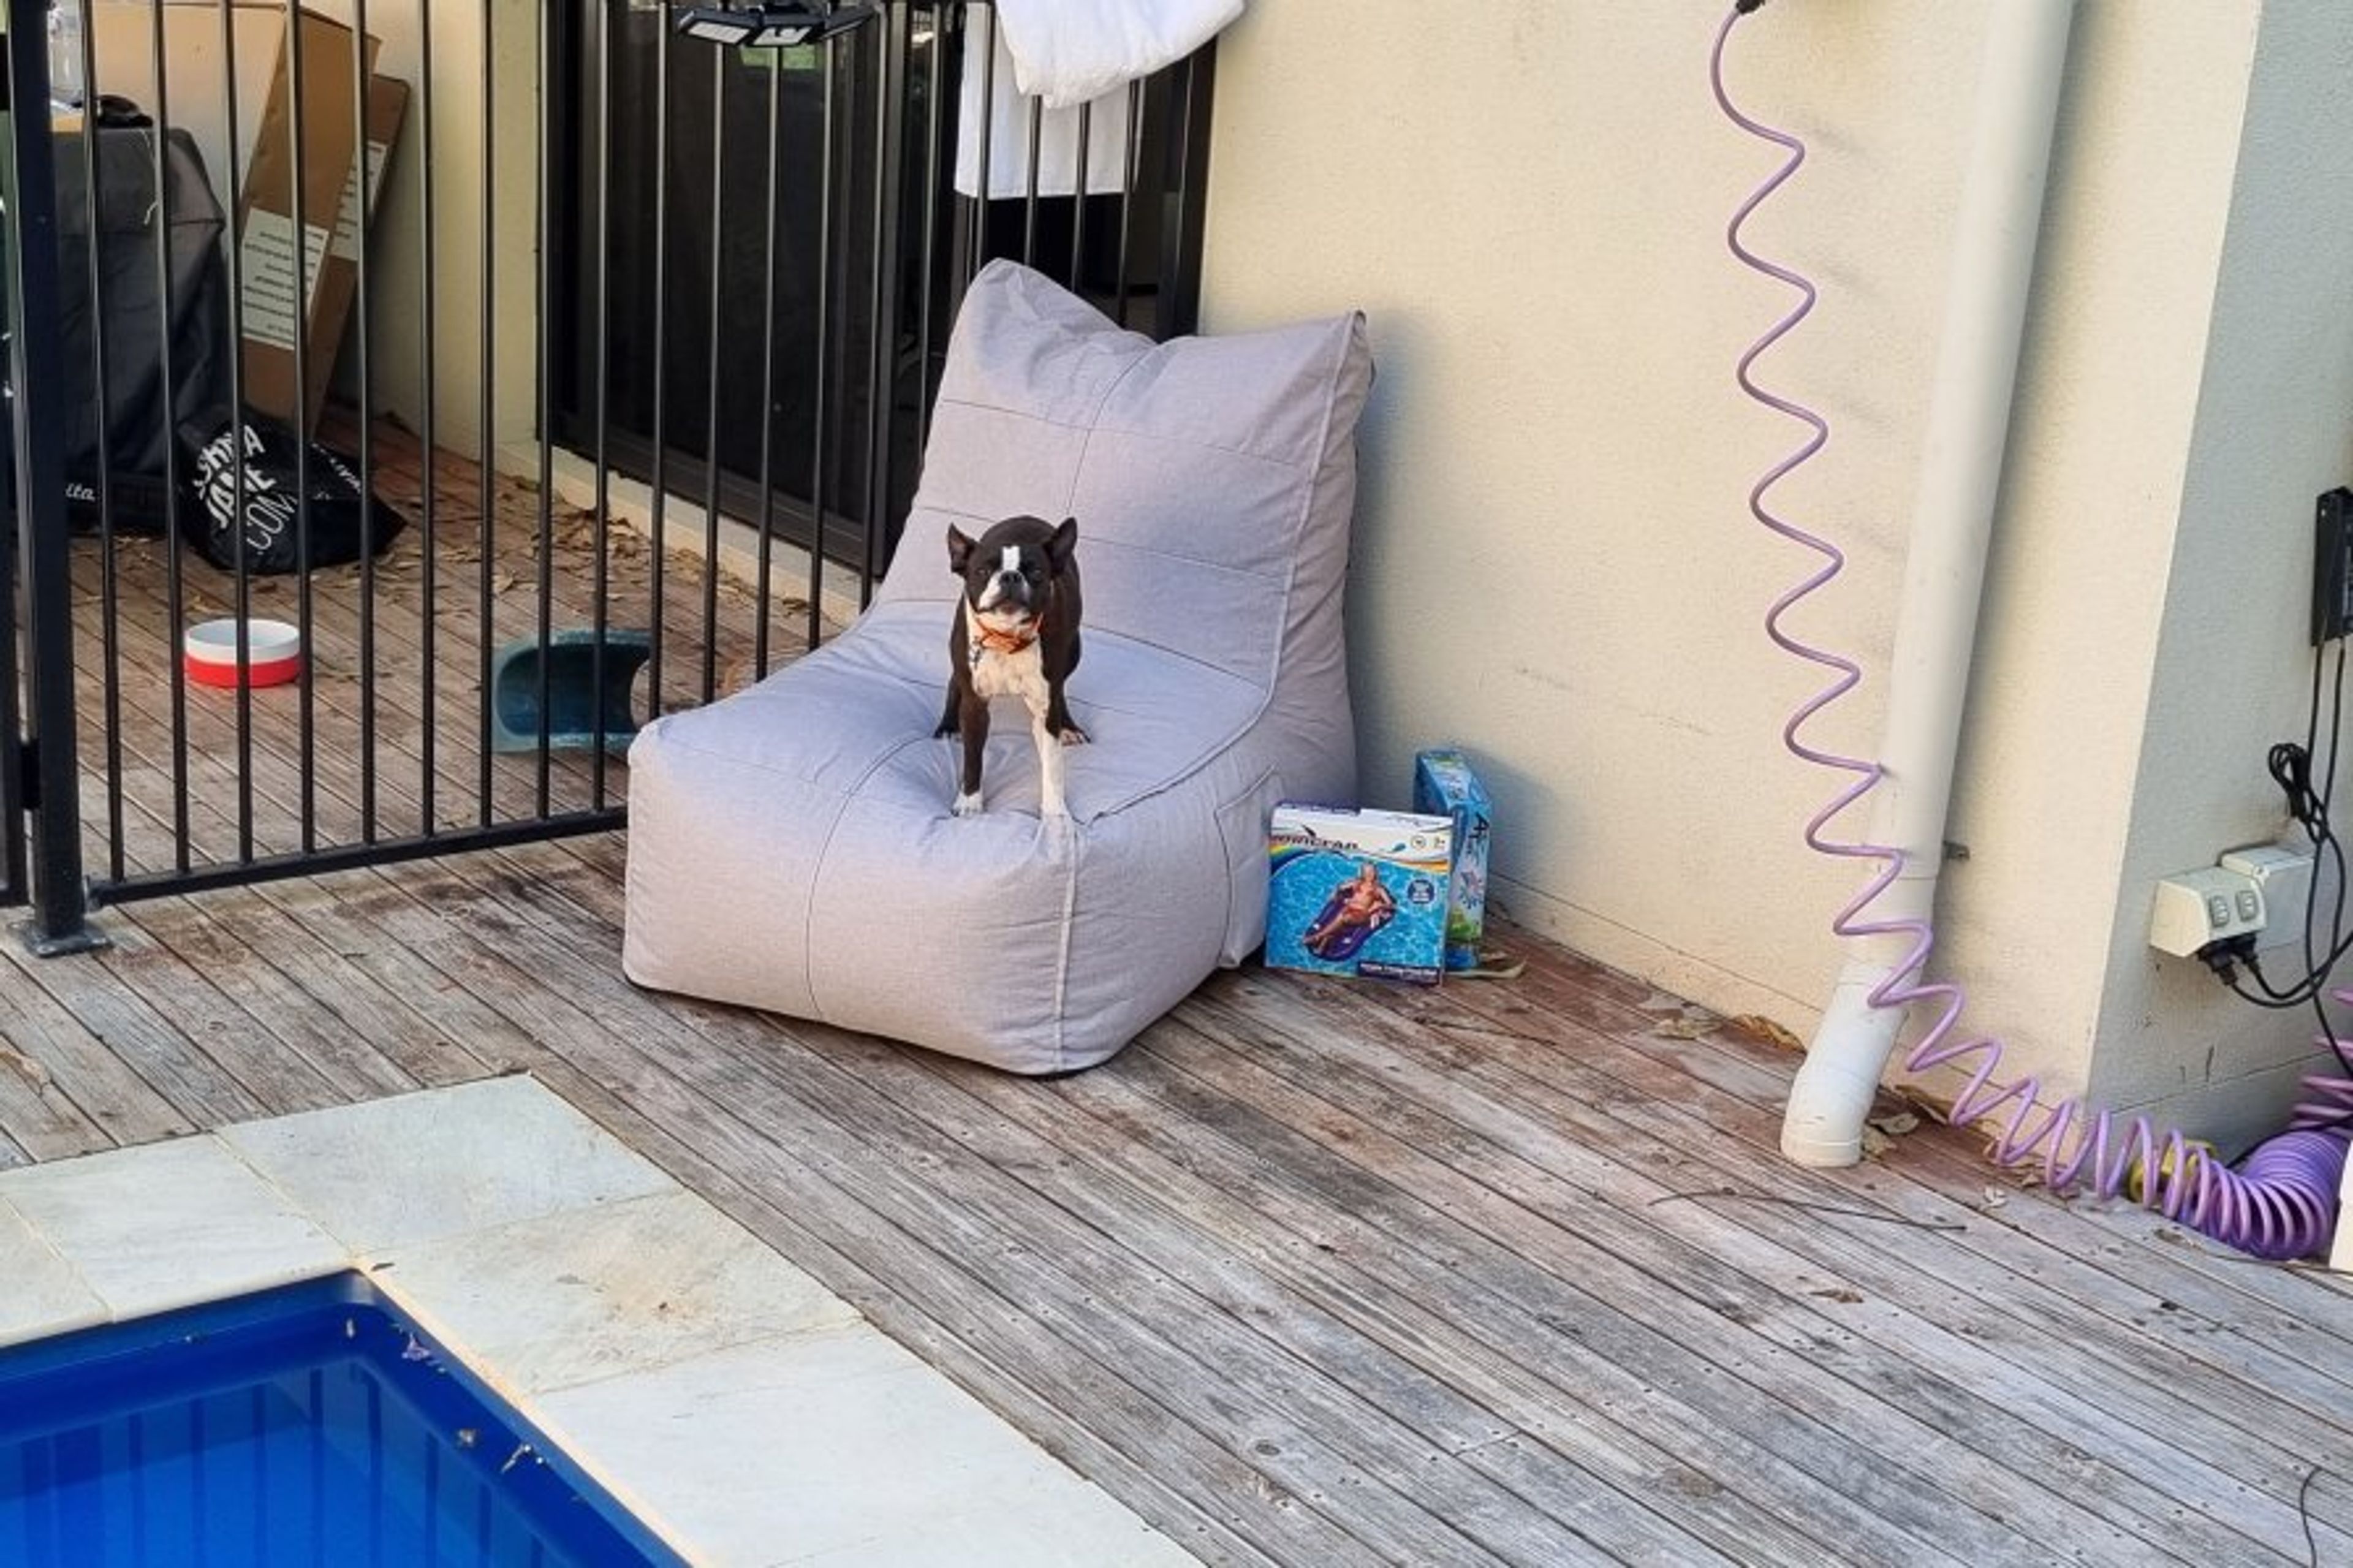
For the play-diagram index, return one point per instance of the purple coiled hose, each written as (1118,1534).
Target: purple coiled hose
(2282,1203)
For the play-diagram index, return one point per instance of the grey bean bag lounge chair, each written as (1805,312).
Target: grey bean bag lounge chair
(792,849)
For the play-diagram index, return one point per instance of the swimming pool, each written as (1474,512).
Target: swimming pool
(311,1423)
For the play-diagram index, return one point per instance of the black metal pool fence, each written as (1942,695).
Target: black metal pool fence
(739,267)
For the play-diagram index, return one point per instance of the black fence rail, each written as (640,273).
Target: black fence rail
(529,379)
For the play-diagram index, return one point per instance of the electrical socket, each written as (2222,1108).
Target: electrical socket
(2284,877)
(2332,566)
(2196,908)
(2260,891)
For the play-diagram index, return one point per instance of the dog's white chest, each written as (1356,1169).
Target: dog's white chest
(1021,674)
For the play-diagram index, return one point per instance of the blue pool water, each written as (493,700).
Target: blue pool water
(303,1426)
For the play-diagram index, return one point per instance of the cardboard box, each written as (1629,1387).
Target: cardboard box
(197,59)
(338,281)
(1445,785)
(332,122)
(1358,892)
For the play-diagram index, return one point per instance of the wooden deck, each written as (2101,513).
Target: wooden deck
(433,622)
(1314,1273)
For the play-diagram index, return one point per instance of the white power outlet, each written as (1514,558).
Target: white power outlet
(2195,908)
(2284,877)
(2260,891)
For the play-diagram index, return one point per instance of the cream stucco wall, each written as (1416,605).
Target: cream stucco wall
(463,225)
(2273,427)
(1554,563)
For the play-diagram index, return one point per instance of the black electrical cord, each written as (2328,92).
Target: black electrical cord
(2316,804)
(2328,1034)
(2308,796)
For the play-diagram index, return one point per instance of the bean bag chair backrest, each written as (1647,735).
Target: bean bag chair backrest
(1213,478)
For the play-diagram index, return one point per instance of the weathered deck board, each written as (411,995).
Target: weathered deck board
(2248,1413)
(1584,1389)
(1618,1292)
(1848,1273)
(387,720)
(2239,1372)
(183,1086)
(746,1166)
(39,1114)
(81,1066)
(1182,1347)
(1312,1274)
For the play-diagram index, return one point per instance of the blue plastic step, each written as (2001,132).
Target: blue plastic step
(577,688)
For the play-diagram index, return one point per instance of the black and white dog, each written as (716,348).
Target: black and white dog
(1016,633)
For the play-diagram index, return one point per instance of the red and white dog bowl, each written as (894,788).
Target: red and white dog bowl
(273,653)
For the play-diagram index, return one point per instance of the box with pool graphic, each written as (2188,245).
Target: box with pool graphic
(1358,892)
(1445,785)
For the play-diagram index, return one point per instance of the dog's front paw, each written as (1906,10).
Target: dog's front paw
(1074,736)
(967,804)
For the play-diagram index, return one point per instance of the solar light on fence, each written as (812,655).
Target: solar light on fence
(768,27)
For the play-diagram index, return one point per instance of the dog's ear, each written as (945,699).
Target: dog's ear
(960,549)
(1063,543)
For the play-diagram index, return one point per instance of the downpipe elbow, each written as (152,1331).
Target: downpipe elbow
(1832,1095)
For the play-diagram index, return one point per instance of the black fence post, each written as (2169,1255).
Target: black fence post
(882,368)
(59,900)
(12,754)
(1185,205)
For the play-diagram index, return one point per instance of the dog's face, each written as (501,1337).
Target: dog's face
(1010,571)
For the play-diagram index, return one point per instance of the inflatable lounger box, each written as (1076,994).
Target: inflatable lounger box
(1358,892)
(791,846)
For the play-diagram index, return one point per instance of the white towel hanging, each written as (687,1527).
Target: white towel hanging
(1069,52)
(1008,131)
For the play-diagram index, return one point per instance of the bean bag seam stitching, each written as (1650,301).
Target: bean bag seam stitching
(825,850)
(1094,426)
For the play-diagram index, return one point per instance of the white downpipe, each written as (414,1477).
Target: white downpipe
(1960,463)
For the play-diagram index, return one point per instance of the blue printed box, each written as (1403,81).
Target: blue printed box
(1358,892)
(1444,786)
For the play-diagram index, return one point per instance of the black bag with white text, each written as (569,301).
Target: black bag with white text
(345,521)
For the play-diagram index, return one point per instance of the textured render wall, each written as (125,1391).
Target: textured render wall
(396,279)
(1554,564)
(2274,428)
(459,127)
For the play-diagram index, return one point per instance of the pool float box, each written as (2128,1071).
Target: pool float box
(1444,786)
(1358,892)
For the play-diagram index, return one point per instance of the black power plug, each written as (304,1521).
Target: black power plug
(2225,956)
(2332,566)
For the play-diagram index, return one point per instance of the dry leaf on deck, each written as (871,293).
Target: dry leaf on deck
(1687,1027)
(1765,1029)
(1896,1124)
(26,1067)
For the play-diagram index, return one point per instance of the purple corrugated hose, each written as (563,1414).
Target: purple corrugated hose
(2283,1202)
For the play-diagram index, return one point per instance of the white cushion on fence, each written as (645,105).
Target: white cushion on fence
(791,847)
